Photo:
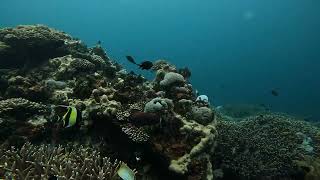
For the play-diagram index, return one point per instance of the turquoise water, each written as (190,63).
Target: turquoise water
(238,51)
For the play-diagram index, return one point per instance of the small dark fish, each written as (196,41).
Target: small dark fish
(145,65)
(130,59)
(274,92)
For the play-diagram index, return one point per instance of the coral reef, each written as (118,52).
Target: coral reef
(310,167)
(135,134)
(240,111)
(27,45)
(47,161)
(208,135)
(157,105)
(158,127)
(263,146)
(20,108)
(202,115)
(171,78)
(25,87)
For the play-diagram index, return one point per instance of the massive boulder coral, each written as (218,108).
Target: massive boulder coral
(158,105)
(202,115)
(171,78)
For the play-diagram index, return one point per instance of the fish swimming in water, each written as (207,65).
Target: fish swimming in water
(145,65)
(72,117)
(274,92)
(126,173)
(130,59)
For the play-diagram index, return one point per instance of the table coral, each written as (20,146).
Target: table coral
(34,44)
(20,108)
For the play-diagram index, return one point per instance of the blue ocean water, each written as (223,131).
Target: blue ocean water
(238,51)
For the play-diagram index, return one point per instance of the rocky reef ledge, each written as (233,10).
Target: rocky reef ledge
(159,127)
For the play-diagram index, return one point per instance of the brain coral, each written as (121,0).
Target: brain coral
(263,146)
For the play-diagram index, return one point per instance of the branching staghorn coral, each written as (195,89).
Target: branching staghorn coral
(63,162)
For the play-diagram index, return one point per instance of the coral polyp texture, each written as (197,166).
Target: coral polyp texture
(272,145)
(158,127)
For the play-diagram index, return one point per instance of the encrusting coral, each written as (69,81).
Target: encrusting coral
(208,136)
